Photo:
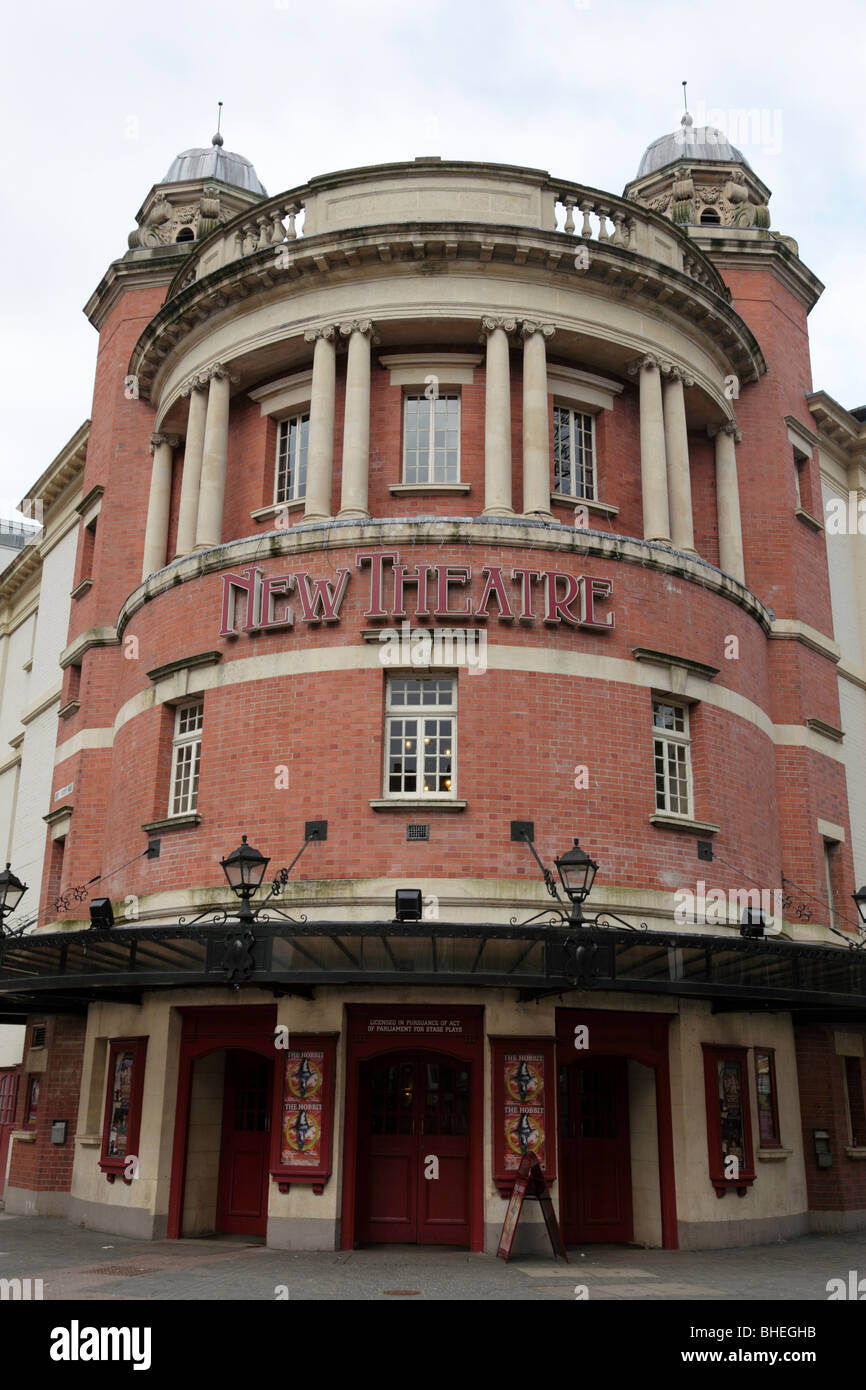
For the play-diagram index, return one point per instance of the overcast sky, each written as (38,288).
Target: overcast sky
(100,97)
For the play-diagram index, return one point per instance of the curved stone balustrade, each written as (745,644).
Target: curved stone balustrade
(433,191)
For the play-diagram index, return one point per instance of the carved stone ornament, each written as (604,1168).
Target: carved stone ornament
(328,331)
(648,360)
(530,326)
(489,324)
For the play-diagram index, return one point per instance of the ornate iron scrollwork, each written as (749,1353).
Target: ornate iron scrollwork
(238,962)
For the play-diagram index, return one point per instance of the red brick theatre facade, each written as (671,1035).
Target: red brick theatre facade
(435,514)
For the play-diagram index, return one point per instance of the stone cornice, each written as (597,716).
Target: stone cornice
(139,269)
(837,425)
(750,248)
(613,271)
(521,533)
(104,636)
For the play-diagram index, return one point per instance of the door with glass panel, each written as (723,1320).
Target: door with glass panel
(413,1150)
(595,1151)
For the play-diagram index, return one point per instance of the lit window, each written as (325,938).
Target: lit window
(291,475)
(186,757)
(420,732)
(573,452)
(431,439)
(671,751)
(123,1101)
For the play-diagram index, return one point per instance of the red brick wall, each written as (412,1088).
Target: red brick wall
(841,1187)
(43,1166)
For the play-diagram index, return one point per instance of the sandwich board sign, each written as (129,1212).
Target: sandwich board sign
(530,1183)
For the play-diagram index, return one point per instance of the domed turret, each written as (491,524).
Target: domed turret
(203,187)
(695,176)
(215,163)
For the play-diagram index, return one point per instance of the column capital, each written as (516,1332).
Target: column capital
(645,363)
(363,326)
(490,323)
(530,326)
(219,370)
(725,427)
(195,383)
(676,373)
(172,440)
(328,331)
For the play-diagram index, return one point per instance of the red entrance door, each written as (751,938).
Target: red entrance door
(595,1155)
(414,1121)
(8,1097)
(242,1200)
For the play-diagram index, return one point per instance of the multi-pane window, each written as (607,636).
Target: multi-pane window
(186,757)
(431,439)
(420,729)
(573,452)
(673,776)
(291,477)
(8,1096)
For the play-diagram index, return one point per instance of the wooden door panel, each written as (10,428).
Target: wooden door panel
(595,1152)
(242,1199)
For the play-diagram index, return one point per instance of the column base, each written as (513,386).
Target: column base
(315,516)
(352,514)
(659,540)
(539,515)
(499,511)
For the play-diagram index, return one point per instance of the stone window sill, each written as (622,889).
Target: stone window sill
(68,709)
(858,1152)
(81,588)
(396,488)
(268,513)
(808,519)
(419,804)
(773,1155)
(88,1141)
(588,502)
(172,822)
(669,822)
(24,1136)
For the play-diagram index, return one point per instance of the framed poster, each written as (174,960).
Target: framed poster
(523,1095)
(304,1101)
(729,1128)
(122,1116)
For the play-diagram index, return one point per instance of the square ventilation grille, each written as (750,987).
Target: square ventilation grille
(418,832)
(37,1036)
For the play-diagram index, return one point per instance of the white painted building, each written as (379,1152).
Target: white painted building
(35,584)
(842,454)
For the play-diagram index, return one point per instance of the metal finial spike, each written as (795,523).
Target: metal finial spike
(685,102)
(217,139)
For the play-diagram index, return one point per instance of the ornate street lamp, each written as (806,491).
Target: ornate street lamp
(12,890)
(859,898)
(576,872)
(245,868)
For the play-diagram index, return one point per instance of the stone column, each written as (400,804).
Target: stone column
(727,436)
(536,431)
(156,527)
(497,418)
(677,452)
(653,471)
(320,442)
(356,421)
(209,526)
(192,457)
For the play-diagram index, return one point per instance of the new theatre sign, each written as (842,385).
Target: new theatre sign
(254,602)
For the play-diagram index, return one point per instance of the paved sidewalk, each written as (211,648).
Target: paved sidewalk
(89,1265)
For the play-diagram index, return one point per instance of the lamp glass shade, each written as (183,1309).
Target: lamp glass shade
(577,872)
(859,898)
(244,868)
(12,890)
